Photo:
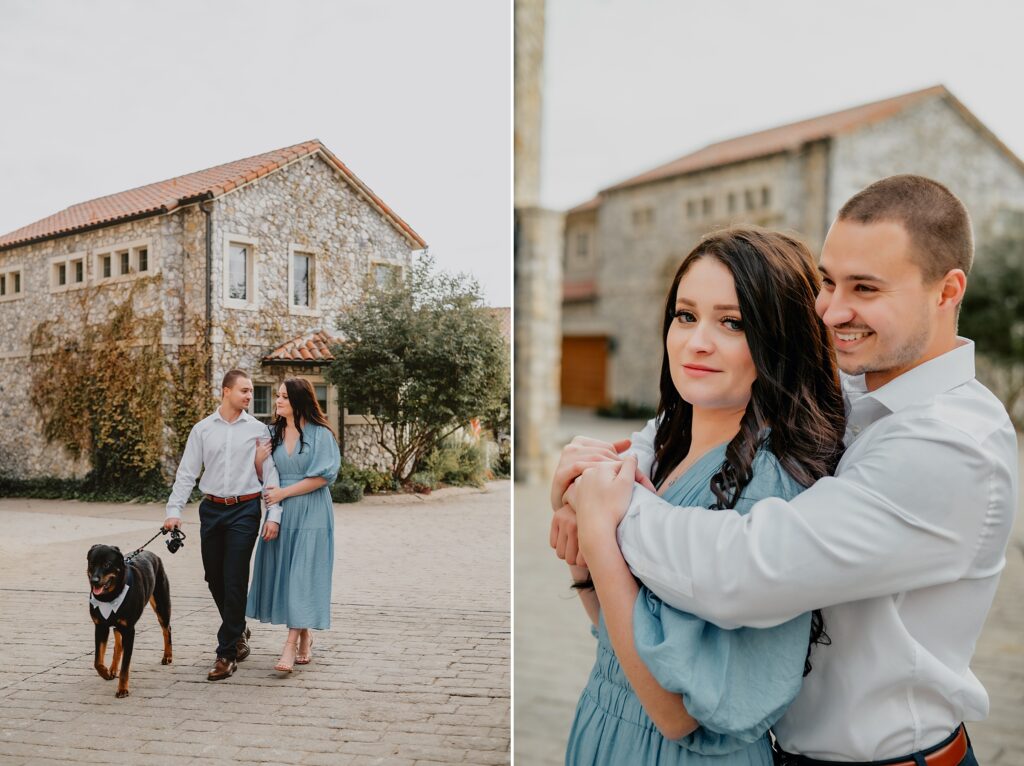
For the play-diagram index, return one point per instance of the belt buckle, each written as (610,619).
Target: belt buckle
(231,500)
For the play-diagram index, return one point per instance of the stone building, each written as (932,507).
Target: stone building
(622,248)
(261,255)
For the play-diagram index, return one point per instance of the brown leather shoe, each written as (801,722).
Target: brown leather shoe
(242,647)
(223,669)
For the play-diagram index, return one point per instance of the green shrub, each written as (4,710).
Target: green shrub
(370,481)
(458,463)
(346,491)
(90,489)
(422,482)
(503,465)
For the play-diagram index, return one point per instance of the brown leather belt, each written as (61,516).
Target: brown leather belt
(949,754)
(232,500)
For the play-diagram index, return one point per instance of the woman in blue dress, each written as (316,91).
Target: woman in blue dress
(750,408)
(291,579)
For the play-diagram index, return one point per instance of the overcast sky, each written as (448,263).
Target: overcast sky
(630,84)
(415,97)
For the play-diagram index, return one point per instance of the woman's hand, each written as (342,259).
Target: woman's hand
(600,498)
(270,530)
(262,451)
(578,455)
(274,495)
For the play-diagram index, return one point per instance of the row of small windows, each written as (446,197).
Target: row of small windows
(10,284)
(753,199)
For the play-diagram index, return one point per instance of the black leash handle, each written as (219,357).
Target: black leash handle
(138,550)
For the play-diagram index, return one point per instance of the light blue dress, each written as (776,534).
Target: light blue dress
(736,683)
(291,579)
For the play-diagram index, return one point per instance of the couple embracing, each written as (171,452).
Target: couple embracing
(290,466)
(783,549)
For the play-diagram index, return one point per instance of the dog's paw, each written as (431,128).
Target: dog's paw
(165,661)
(106,675)
(122,693)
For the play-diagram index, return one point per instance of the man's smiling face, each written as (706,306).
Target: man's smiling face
(874,300)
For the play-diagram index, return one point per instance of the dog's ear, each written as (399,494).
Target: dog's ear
(98,545)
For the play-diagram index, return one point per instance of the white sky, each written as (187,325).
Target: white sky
(415,97)
(630,84)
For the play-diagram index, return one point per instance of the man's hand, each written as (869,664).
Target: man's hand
(578,455)
(602,495)
(563,537)
(270,530)
(172,522)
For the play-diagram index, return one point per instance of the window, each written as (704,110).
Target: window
(732,202)
(261,398)
(10,284)
(238,272)
(707,206)
(241,289)
(321,395)
(120,262)
(691,209)
(67,272)
(643,218)
(749,198)
(301,281)
(766,196)
(582,245)
(386,275)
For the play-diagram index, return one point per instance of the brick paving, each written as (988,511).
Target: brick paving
(554,649)
(413,672)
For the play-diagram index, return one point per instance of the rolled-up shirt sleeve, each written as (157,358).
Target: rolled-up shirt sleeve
(908,513)
(188,471)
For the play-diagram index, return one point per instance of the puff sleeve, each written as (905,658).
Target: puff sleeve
(326,459)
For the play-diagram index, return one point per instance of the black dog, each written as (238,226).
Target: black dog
(147,582)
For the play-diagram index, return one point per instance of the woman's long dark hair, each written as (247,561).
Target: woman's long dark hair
(796,396)
(305,409)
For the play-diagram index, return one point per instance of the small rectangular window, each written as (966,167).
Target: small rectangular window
(300,277)
(3,284)
(106,266)
(261,400)
(749,199)
(79,271)
(126,263)
(321,396)
(691,209)
(732,202)
(238,275)
(17,282)
(766,197)
(62,274)
(582,244)
(707,205)
(143,259)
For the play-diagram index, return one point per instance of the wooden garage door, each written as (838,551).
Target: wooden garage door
(584,365)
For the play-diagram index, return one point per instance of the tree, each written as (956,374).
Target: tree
(423,356)
(993,317)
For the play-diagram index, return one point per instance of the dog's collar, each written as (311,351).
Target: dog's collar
(109,607)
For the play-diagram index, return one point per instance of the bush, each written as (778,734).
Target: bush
(346,491)
(627,410)
(90,489)
(422,482)
(370,481)
(458,463)
(503,465)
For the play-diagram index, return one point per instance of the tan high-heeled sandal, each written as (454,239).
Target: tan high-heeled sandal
(304,659)
(280,666)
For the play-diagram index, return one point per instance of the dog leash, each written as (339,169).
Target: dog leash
(138,550)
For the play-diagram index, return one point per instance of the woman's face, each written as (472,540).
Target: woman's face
(284,407)
(708,355)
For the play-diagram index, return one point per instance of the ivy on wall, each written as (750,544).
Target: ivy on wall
(107,391)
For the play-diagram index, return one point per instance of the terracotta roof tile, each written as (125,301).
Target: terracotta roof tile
(164,196)
(782,138)
(314,347)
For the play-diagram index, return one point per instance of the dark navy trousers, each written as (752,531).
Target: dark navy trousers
(228,534)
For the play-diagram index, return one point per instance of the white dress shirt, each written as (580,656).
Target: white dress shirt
(228,453)
(902,547)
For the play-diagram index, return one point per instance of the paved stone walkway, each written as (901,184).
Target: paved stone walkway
(414,671)
(554,649)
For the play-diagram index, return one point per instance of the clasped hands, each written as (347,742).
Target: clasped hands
(590,493)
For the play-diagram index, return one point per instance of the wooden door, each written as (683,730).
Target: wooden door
(584,370)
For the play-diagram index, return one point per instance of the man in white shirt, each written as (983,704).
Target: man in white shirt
(229,515)
(902,548)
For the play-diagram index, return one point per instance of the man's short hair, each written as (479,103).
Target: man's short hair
(231,376)
(937,222)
